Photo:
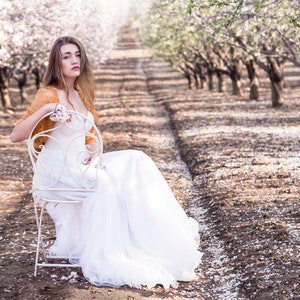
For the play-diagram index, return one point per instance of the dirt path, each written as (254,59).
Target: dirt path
(232,163)
(130,117)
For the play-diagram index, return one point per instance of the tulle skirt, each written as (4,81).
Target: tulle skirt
(131,230)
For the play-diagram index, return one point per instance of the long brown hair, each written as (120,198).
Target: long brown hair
(85,82)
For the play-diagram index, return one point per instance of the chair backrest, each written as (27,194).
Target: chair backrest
(65,159)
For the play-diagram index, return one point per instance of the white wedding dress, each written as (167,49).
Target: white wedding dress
(131,231)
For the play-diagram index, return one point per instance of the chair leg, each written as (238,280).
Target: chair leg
(40,247)
(41,237)
(39,222)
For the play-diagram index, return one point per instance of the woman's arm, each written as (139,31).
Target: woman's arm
(44,102)
(23,129)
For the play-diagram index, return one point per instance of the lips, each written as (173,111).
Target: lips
(75,68)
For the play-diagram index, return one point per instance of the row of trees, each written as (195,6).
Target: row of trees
(28,29)
(206,38)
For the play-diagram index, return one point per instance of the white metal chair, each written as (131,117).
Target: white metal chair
(82,183)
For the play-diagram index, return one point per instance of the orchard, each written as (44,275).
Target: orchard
(28,29)
(211,91)
(202,38)
(206,38)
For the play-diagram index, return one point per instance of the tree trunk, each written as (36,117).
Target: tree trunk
(220,76)
(190,68)
(235,76)
(199,71)
(277,93)
(186,74)
(221,83)
(21,78)
(236,87)
(196,80)
(202,80)
(4,88)
(254,82)
(254,89)
(188,77)
(210,78)
(37,76)
(277,81)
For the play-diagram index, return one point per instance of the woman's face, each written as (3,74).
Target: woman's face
(70,60)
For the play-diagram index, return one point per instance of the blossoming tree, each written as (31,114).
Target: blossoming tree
(29,27)
(220,35)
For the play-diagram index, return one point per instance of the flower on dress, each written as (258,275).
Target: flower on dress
(60,115)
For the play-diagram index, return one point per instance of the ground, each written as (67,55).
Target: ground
(231,162)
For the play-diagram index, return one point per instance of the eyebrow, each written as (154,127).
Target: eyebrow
(70,52)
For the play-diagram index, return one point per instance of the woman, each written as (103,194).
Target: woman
(131,230)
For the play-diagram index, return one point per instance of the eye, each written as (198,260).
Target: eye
(65,56)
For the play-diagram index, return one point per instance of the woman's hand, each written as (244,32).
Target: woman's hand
(23,129)
(60,114)
(92,151)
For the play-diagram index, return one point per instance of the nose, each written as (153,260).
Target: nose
(75,59)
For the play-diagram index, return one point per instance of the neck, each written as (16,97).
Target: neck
(70,83)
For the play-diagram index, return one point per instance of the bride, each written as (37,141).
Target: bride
(131,230)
